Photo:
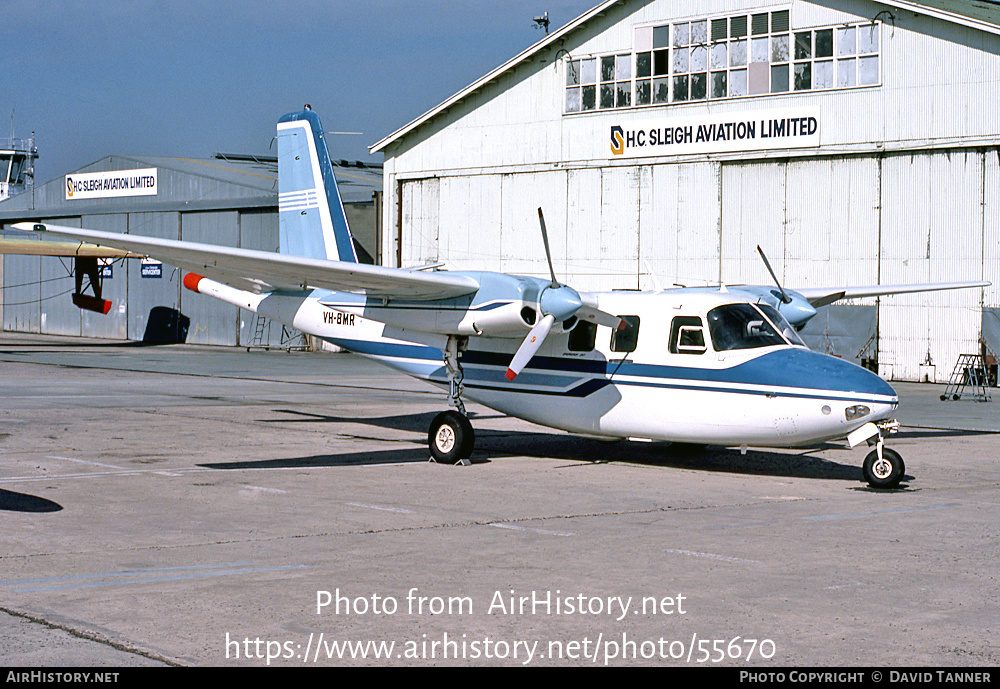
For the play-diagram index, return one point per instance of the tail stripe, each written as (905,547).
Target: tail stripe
(312,220)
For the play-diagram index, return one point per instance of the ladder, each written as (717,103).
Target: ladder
(290,339)
(970,371)
(261,332)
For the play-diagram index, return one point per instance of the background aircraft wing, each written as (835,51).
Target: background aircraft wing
(821,296)
(264,271)
(33,247)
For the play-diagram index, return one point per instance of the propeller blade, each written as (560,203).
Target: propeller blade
(784,297)
(536,336)
(548,254)
(595,315)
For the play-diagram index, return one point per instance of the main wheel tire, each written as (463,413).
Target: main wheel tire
(886,472)
(451,437)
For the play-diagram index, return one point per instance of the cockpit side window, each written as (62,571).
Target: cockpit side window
(626,339)
(740,326)
(583,337)
(687,335)
(782,324)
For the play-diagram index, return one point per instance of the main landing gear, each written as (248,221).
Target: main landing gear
(451,438)
(883,468)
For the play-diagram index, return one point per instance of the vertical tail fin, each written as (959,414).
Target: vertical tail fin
(311,215)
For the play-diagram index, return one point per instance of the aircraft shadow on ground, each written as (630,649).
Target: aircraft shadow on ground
(499,445)
(416,423)
(922,433)
(800,464)
(22,502)
(393,456)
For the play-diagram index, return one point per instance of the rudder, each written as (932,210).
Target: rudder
(311,217)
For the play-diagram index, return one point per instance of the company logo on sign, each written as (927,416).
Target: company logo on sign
(767,129)
(103,185)
(617,141)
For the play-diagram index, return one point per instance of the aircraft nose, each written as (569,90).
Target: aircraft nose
(845,380)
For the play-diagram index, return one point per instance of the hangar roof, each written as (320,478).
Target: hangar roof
(185,184)
(983,15)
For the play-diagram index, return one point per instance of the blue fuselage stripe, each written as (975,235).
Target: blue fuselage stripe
(788,372)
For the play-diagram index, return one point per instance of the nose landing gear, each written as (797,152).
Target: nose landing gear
(883,468)
(883,471)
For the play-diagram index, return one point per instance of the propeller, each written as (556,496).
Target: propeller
(557,302)
(548,254)
(785,299)
(794,307)
(536,336)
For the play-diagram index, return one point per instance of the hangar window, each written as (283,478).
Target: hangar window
(725,57)
(599,83)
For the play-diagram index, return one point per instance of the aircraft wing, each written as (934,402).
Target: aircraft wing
(31,247)
(264,271)
(821,296)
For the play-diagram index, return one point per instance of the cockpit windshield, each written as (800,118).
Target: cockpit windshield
(740,326)
(782,324)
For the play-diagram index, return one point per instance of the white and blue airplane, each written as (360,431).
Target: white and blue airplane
(708,366)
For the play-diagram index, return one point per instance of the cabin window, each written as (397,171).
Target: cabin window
(583,337)
(740,326)
(687,335)
(625,339)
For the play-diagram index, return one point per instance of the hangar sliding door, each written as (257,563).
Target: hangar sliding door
(930,233)
(419,224)
(818,222)
(679,224)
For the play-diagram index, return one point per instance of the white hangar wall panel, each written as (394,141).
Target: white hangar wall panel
(616,261)
(421,202)
(991,229)
(469,220)
(932,231)
(679,224)
(753,213)
(605,225)
(831,222)
(521,249)
(816,219)
(991,250)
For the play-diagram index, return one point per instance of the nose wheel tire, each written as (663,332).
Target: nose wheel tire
(451,438)
(886,472)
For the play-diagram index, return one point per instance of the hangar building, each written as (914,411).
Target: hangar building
(231,200)
(856,142)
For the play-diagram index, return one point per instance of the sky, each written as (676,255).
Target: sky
(189,79)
